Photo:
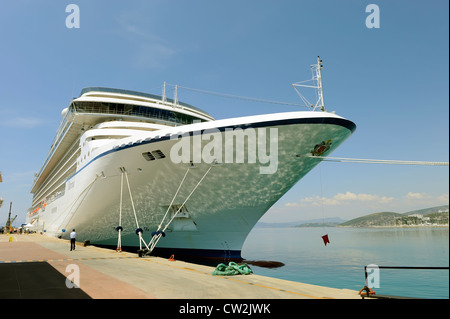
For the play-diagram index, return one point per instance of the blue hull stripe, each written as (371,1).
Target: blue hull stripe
(324,120)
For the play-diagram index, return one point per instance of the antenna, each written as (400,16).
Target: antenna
(175,98)
(317,81)
(164,92)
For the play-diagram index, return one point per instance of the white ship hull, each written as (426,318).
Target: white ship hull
(221,212)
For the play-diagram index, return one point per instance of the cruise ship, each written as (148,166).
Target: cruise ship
(132,170)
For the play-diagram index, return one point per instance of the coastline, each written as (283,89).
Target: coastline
(397,226)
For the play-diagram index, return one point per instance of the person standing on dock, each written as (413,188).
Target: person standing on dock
(73,235)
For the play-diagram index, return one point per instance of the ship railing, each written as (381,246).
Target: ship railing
(140,111)
(62,129)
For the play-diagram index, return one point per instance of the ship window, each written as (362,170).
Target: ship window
(148,156)
(134,110)
(153,155)
(158,154)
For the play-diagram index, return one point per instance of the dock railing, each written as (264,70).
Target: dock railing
(372,279)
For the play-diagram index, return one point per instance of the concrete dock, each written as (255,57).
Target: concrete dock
(37,266)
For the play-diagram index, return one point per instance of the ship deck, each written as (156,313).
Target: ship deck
(36,266)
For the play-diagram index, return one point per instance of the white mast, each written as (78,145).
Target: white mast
(318,68)
(317,79)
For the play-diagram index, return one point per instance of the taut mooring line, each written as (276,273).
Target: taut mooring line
(374,161)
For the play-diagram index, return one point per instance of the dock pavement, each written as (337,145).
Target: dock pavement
(34,266)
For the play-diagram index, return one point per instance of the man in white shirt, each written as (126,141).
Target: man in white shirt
(73,235)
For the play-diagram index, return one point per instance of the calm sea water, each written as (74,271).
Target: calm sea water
(341,263)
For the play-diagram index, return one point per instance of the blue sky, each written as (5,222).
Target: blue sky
(391,81)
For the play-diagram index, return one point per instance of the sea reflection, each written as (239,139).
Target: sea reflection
(341,263)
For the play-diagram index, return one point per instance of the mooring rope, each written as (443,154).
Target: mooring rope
(138,230)
(374,161)
(173,199)
(119,228)
(158,236)
(192,192)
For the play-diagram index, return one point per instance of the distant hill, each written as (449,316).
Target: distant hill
(433,215)
(321,224)
(331,222)
(430,216)
(274,225)
(375,219)
(427,211)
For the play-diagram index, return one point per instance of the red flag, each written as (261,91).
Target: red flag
(325,239)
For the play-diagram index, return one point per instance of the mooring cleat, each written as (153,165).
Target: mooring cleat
(142,252)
